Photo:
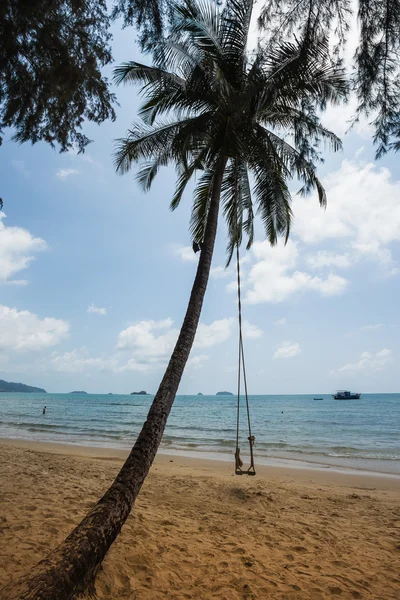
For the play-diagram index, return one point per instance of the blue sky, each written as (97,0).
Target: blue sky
(95,275)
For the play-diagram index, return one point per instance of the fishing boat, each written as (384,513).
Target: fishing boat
(318,398)
(346,395)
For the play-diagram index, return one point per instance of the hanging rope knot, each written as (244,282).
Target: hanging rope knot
(238,460)
(252,440)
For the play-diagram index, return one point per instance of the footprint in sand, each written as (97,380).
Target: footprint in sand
(223,564)
(289,557)
(335,590)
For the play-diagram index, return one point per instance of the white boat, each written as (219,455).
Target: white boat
(346,395)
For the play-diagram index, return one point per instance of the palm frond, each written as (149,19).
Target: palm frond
(237,202)
(149,170)
(303,68)
(237,18)
(299,124)
(201,20)
(143,143)
(291,161)
(187,172)
(201,204)
(134,72)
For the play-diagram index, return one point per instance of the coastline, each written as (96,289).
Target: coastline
(297,470)
(198,531)
(291,431)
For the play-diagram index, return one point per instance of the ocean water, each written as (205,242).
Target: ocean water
(361,434)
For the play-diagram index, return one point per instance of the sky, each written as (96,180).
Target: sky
(95,275)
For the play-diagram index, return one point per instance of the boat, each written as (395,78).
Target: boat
(346,395)
(318,398)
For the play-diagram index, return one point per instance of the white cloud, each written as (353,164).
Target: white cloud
(219,272)
(327,259)
(273,277)
(17,246)
(141,337)
(19,282)
(251,331)
(280,322)
(152,342)
(371,327)
(186,253)
(198,361)
(149,349)
(339,119)
(287,350)
(369,362)
(63,174)
(97,310)
(23,330)
(135,365)
(216,333)
(78,361)
(363,212)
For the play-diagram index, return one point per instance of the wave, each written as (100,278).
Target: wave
(83,435)
(122,404)
(204,428)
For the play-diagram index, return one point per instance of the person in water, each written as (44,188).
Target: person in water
(44,410)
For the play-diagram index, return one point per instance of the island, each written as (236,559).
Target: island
(224,394)
(200,394)
(78,392)
(141,393)
(11,386)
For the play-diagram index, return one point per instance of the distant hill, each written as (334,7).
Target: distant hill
(224,394)
(78,392)
(10,386)
(141,393)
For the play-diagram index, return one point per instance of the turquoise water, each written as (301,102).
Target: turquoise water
(358,434)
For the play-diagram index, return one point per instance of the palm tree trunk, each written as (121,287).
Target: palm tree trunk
(71,568)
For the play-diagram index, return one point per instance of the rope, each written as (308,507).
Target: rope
(242,366)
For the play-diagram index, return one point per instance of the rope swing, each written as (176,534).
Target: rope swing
(242,368)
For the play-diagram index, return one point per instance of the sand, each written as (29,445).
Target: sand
(199,532)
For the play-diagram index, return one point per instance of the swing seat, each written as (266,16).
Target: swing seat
(249,471)
(239,464)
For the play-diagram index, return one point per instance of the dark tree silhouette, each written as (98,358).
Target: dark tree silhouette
(51,55)
(375,75)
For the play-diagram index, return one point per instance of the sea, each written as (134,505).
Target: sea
(293,430)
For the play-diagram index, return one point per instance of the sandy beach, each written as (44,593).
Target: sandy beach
(199,532)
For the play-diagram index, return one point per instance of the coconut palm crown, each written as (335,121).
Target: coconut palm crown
(251,113)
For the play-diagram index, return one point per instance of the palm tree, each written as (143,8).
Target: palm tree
(247,122)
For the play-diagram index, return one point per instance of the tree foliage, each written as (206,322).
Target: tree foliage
(148,16)
(52,52)
(376,73)
(209,101)
(51,55)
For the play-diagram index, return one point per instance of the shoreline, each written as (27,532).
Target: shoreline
(213,464)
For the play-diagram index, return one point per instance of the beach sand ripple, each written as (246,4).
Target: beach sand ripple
(197,532)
